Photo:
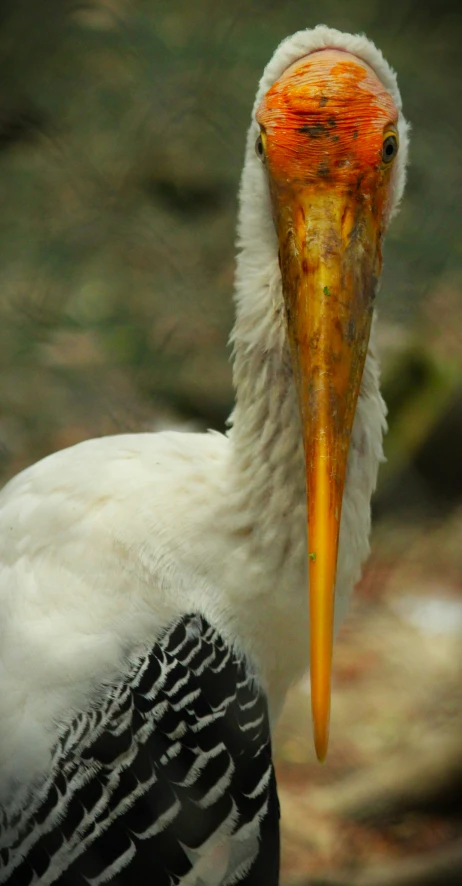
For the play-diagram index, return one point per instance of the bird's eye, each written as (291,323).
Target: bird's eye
(259,149)
(389,148)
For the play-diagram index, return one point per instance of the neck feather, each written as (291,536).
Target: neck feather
(266,473)
(266,479)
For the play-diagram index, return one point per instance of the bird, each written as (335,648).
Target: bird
(161,592)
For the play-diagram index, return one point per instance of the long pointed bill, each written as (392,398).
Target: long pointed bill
(330,260)
(328,135)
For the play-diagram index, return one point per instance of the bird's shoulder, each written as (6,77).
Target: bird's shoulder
(112,467)
(106,509)
(90,568)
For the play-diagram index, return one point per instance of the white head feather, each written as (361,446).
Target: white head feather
(265,429)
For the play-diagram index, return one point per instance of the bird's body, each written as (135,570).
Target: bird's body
(105,548)
(146,527)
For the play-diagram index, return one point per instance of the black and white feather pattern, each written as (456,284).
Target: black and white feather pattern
(167,780)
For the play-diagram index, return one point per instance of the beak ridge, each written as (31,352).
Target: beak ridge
(329,262)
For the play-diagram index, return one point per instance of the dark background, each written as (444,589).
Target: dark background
(122,128)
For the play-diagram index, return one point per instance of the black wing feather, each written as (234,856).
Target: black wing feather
(168,779)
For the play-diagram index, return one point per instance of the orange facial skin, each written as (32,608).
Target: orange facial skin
(324,120)
(323,125)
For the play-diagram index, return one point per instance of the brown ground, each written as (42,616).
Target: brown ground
(387,796)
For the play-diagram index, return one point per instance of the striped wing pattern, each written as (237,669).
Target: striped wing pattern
(167,780)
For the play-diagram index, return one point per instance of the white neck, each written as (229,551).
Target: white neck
(267,486)
(264,494)
(265,482)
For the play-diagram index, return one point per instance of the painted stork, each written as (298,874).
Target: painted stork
(153,587)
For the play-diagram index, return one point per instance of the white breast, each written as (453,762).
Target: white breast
(97,545)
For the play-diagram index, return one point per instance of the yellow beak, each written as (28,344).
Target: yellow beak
(329,249)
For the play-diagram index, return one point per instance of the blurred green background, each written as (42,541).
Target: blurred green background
(122,128)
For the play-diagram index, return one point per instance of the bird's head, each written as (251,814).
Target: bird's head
(329,142)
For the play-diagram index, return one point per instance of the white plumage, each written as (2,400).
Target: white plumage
(104,545)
